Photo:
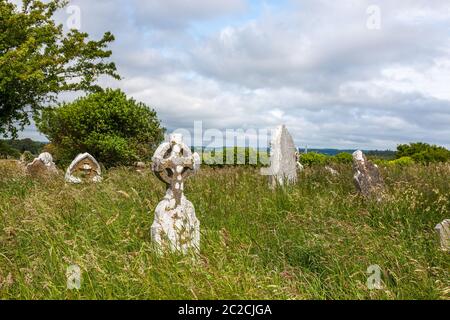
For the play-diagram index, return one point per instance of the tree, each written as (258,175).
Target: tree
(114,129)
(423,152)
(38,61)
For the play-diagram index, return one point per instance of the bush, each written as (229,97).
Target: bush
(27,157)
(114,129)
(380,162)
(313,158)
(403,161)
(343,157)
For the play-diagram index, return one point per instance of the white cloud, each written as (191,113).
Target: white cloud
(179,13)
(313,65)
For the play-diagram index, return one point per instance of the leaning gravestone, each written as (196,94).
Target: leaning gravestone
(83,168)
(367,176)
(175,226)
(42,165)
(283,159)
(443,231)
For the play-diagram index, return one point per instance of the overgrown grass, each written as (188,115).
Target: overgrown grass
(313,240)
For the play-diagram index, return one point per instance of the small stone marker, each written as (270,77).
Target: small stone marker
(140,166)
(367,176)
(42,165)
(175,226)
(26,157)
(443,231)
(332,171)
(83,168)
(283,159)
(300,167)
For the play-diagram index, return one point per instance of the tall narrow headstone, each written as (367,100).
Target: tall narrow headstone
(175,226)
(84,168)
(443,231)
(367,176)
(283,159)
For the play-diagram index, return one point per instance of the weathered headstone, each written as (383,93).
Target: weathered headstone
(443,231)
(367,176)
(175,227)
(283,159)
(42,165)
(83,168)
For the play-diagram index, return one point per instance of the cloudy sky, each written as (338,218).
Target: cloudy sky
(343,74)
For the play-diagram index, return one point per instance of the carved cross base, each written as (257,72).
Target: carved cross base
(175,227)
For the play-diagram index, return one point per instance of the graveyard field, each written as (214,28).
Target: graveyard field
(313,240)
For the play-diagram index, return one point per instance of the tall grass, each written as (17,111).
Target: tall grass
(313,240)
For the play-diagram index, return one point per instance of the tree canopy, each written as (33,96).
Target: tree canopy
(116,130)
(38,61)
(423,152)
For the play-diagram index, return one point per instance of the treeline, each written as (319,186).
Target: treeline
(250,156)
(234,156)
(406,154)
(381,154)
(314,158)
(14,148)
